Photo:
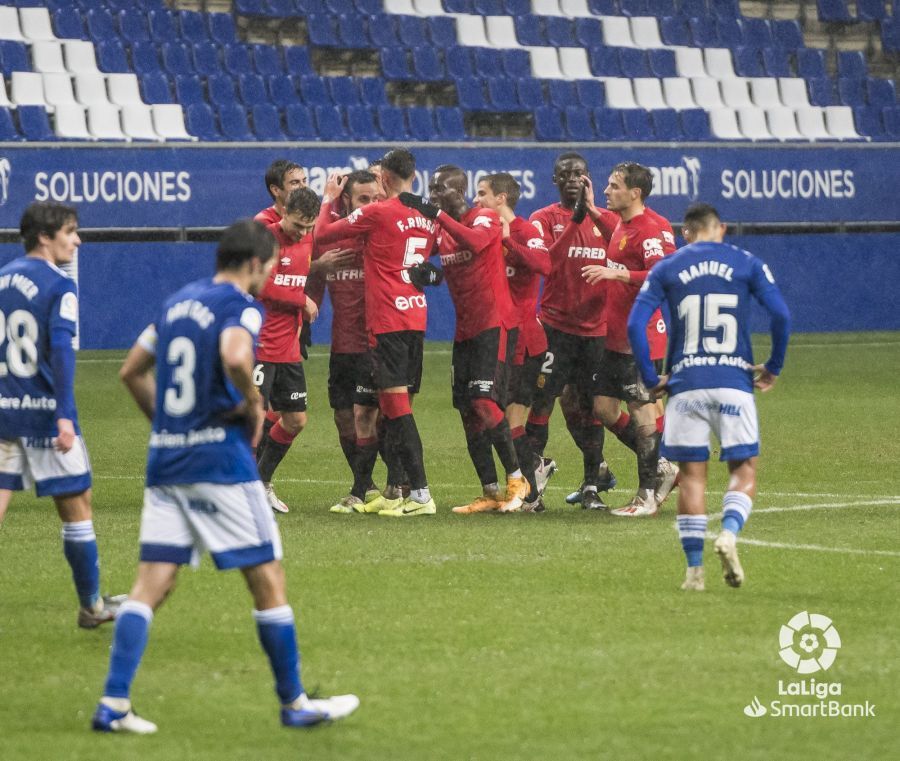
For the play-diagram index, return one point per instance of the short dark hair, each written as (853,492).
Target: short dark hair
(44,218)
(376,162)
(504,182)
(571,155)
(456,172)
(359,177)
(699,216)
(401,162)
(244,240)
(303,201)
(276,172)
(635,176)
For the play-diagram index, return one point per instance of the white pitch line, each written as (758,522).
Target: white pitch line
(843,345)
(819,548)
(892,501)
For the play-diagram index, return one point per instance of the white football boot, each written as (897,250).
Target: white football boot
(726,549)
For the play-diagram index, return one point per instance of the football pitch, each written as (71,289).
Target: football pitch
(561,635)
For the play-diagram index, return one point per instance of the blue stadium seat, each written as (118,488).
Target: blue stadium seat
(488,63)
(252,89)
(68,24)
(267,122)
(383,31)
(488,7)
(361,122)
(603,7)
(579,125)
(871,10)
(368,7)
(343,91)
(851,63)
(674,30)
(420,122)
(833,10)
(8,130)
(249,7)
(776,62)
(192,28)
(747,62)
(868,122)
(340,7)
(633,7)
(306,7)
(530,30)
(296,59)
(322,30)
(517,7)
(449,122)
(412,31)
(234,124)
(162,25)
(757,32)
(660,8)
(395,64)
(221,28)
(548,124)
(200,122)
(459,62)
(236,58)
(530,92)
(731,33)
(220,87)
(605,62)
(561,93)
(100,25)
(34,124)
(695,124)
(891,118)
(392,123)
(704,34)
(590,93)
(666,124)
(725,8)
(175,58)
(502,94)
(353,32)
(662,63)
(608,124)
(880,92)
(637,124)
(811,63)
(588,32)
(470,93)
(314,92)
(111,57)
(560,32)
(851,92)
(633,63)
(787,34)
(442,31)
(371,90)
(427,65)
(189,89)
(267,60)
(281,89)
(145,58)
(155,88)
(299,123)
(516,63)
(459,6)
(693,8)
(821,91)
(206,58)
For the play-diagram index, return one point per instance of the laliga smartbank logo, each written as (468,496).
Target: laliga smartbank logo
(808,643)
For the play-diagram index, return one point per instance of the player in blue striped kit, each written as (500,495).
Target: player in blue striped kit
(203,490)
(40,439)
(709,287)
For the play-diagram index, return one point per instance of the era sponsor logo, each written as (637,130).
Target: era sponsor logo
(587,252)
(652,247)
(404,303)
(292,281)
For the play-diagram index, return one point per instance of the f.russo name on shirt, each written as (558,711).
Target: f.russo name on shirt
(166,440)
(27,402)
(715,360)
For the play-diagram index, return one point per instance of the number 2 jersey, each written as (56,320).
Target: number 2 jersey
(195,437)
(37,302)
(708,287)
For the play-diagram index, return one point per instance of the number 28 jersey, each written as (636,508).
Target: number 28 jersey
(194,437)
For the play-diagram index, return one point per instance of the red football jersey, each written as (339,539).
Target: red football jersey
(395,238)
(569,303)
(347,289)
(657,335)
(284,297)
(527,259)
(268,216)
(471,253)
(636,246)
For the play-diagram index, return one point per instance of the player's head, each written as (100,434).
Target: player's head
(398,169)
(703,223)
(447,189)
(300,211)
(247,246)
(628,187)
(568,169)
(375,168)
(361,189)
(282,177)
(52,229)
(497,190)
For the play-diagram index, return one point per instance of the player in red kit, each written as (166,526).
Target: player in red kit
(471,250)
(395,239)
(279,372)
(526,259)
(636,244)
(575,324)
(282,178)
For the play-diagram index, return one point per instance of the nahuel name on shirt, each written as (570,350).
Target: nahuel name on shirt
(720,360)
(416,223)
(709,267)
(193,310)
(166,440)
(27,402)
(21,283)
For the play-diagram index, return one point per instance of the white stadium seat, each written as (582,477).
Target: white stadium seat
(428,8)
(123,89)
(689,62)
(35,24)
(4,98)
(723,124)
(58,90)
(27,88)
(574,63)
(47,58)
(707,93)
(399,7)
(545,63)
(752,121)
(137,122)
(70,122)
(470,31)
(678,93)
(839,121)
(617,31)
(719,63)
(811,123)
(782,123)
(793,92)
(764,92)
(80,56)
(103,122)
(575,9)
(9,24)
(619,93)
(501,32)
(736,93)
(546,8)
(645,32)
(648,93)
(90,89)
(168,121)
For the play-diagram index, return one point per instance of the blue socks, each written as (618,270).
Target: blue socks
(80,549)
(129,640)
(736,510)
(279,639)
(691,531)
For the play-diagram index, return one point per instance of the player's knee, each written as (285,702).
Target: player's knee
(293,422)
(606,410)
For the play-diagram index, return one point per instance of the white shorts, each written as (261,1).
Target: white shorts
(232,521)
(691,416)
(32,461)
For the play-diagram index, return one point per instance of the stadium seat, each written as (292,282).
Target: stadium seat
(548,124)
(133,25)
(442,31)
(620,93)
(545,63)
(677,92)
(637,124)
(782,123)
(427,66)
(617,31)
(314,92)
(368,7)
(752,121)
(851,64)
(648,93)
(155,88)
(833,10)
(252,89)
(343,91)
(47,58)
(34,123)
(608,124)
(793,92)
(234,124)
(518,7)
(839,123)
(516,63)
(776,63)
(296,60)
(460,62)
(559,32)
(103,122)
(787,34)
(736,93)
(449,123)
(503,95)
(501,32)
(764,92)
(561,94)
(189,89)
(144,57)
(372,91)
(662,63)
(412,31)
(353,32)
(10,28)
(757,32)
(880,92)
(891,118)
(111,57)
(811,63)
(123,90)
(605,62)
(633,7)
(395,64)
(659,8)
(79,57)
(488,7)
(723,124)
(573,62)
(850,91)
(674,30)
(488,62)
(175,58)
(221,28)
(299,123)
(530,30)
(601,7)
(13,56)
(689,62)
(633,63)
(747,62)
(162,25)
(70,123)
(330,123)
(719,63)
(579,124)
(704,34)
(8,131)
(590,93)
(821,91)
(392,123)
(871,10)
(458,6)
(193,30)
(707,93)
(236,58)
(530,92)
(205,58)
(200,122)
(26,89)
(322,30)
(100,25)
(420,123)
(729,31)
(588,32)
(340,7)
(868,122)
(221,89)
(90,89)
(57,90)
(281,90)
(267,123)
(68,24)
(267,60)
(470,94)
(361,122)
(645,33)
(695,124)
(725,8)
(383,31)
(666,124)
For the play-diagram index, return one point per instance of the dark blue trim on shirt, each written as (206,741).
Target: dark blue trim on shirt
(58,487)
(244,557)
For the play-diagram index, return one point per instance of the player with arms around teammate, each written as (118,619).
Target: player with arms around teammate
(203,490)
(40,439)
(283,177)
(395,239)
(709,287)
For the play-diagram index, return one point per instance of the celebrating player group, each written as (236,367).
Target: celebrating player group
(563,305)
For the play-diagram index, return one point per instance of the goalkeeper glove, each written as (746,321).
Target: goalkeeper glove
(580,210)
(418,203)
(424,274)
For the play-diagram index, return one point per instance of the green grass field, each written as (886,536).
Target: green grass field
(562,635)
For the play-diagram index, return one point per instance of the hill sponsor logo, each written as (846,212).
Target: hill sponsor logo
(808,643)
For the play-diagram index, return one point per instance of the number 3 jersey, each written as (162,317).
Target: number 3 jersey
(37,301)
(195,436)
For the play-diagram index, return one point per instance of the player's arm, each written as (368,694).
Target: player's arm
(763,287)
(137,371)
(62,364)
(532,254)
(477,238)
(605,219)
(236,351)
(646,303)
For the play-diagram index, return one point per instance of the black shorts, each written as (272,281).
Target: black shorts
(570,359)
(523,380)
(476,370)
(397,360)
(618,377)
(282,385)
(350,381)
